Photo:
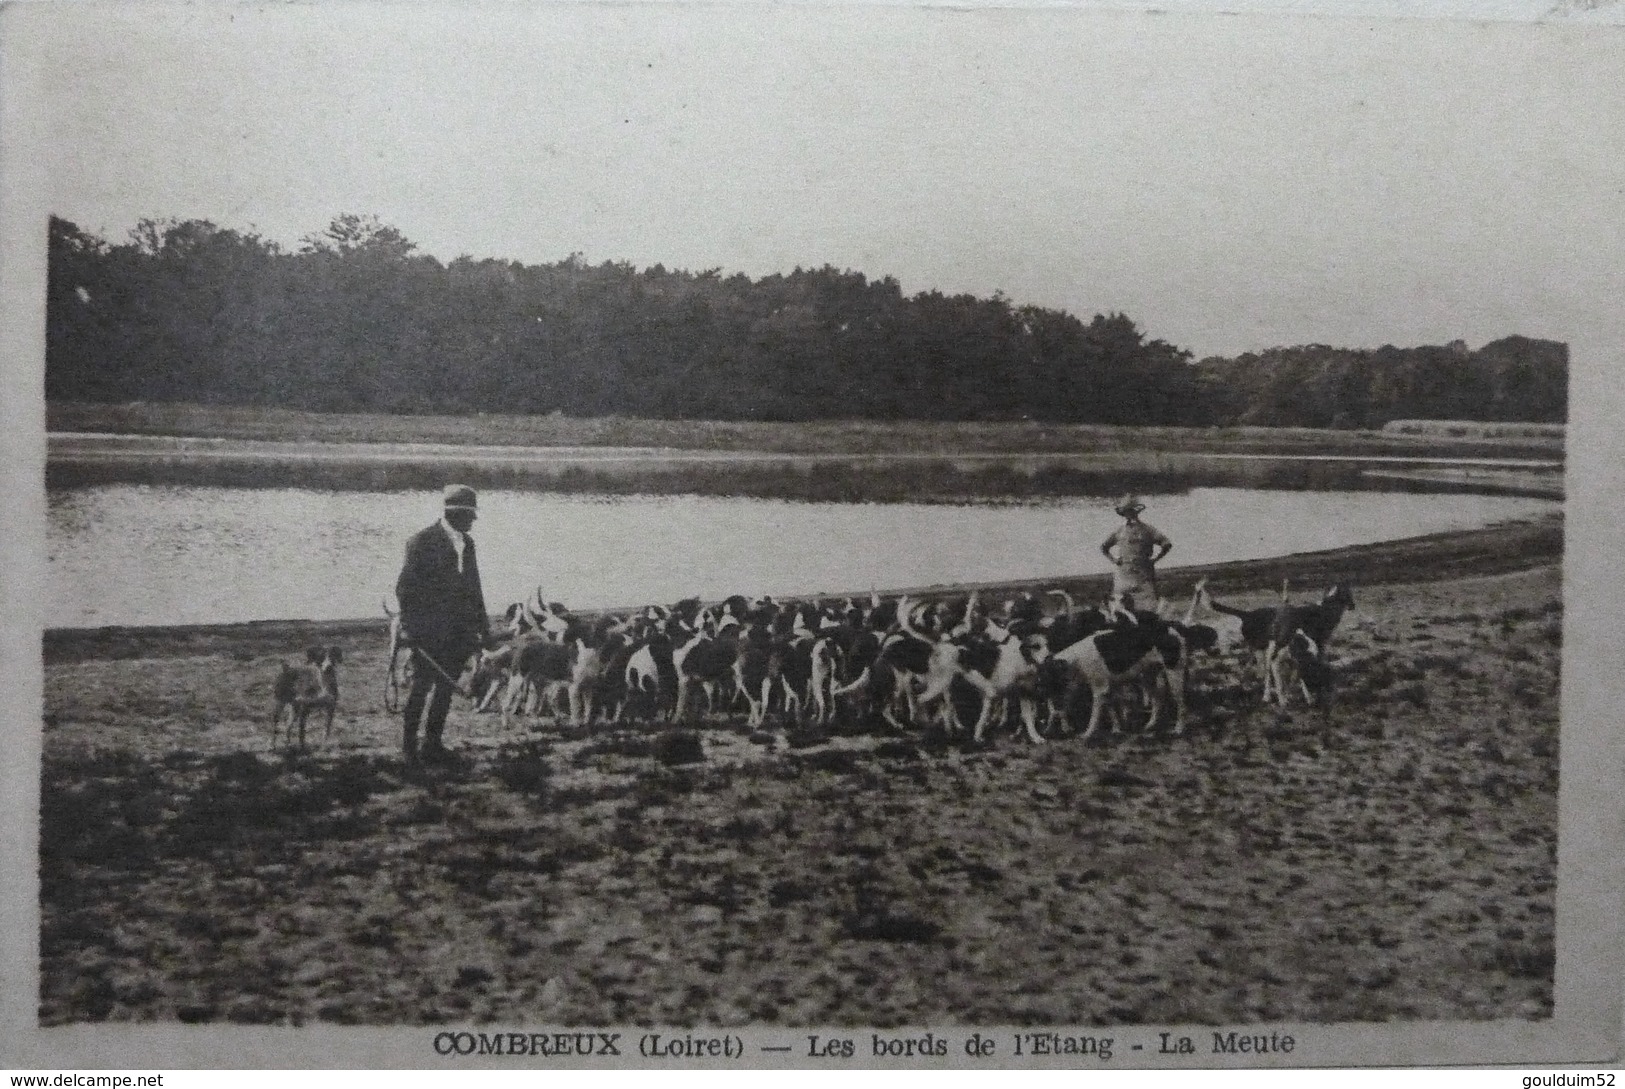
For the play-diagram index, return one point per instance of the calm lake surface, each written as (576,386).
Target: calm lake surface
(142,554)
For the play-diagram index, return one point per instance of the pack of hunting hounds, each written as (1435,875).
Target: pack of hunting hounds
(1027,662)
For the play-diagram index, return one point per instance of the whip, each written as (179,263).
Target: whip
(438,668)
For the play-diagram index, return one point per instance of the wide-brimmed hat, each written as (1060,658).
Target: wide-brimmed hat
(459,497)
(1129,504)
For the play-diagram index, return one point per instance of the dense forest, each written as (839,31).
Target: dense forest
(357,320)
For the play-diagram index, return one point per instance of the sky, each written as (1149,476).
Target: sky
(1230,182)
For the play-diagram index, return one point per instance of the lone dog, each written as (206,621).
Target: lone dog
(302,689)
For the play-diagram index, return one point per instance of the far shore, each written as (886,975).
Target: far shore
(842,437)
(812,462)
(1500,549)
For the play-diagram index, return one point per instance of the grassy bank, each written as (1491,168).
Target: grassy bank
(823,481)
(815,437)
(804,477)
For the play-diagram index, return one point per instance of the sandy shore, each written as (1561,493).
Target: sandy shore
(1391,856)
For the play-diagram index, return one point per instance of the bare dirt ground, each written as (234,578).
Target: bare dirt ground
(1389,857)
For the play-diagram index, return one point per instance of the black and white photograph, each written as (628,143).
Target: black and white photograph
(810,536)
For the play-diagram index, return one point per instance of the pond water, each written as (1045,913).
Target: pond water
(146,554)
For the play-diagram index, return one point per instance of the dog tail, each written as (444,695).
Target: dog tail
(1217,607)
(859,684)
(1196,599)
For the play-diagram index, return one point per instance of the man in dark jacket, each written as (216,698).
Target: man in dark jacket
(443,614)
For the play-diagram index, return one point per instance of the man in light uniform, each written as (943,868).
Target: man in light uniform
(1140,546)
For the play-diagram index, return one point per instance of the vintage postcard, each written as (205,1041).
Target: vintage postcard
(634,535)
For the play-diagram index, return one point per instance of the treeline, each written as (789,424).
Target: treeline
(356,320)
(1512,379)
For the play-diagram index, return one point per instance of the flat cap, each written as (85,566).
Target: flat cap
(459,497)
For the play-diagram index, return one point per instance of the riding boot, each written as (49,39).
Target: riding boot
(434,723)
